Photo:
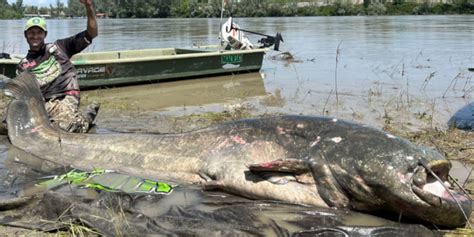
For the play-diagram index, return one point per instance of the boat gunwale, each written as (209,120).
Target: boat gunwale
(15,59)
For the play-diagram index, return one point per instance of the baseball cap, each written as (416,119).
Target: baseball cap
(36,21)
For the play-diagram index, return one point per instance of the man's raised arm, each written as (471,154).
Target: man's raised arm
(91,21)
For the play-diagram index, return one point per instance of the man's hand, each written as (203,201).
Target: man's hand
(86,2)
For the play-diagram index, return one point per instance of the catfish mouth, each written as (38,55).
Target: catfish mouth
(437,191)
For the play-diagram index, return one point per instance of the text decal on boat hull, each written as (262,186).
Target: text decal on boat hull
(232,59)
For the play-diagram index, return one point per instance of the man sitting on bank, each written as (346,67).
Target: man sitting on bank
(56,74)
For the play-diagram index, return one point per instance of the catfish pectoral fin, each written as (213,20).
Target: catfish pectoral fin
(289,165)
(328,187)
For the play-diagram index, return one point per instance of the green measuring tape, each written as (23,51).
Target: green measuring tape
(108,180)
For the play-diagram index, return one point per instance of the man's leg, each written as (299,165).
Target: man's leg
(64,113)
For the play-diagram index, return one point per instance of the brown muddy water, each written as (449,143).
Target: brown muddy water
(405,74)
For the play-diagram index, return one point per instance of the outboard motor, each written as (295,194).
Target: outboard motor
(270,40)
(233,37)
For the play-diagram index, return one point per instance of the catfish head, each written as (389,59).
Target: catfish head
(380,172)
(412,182)
(434,199)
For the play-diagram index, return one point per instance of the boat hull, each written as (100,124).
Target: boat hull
(114,68)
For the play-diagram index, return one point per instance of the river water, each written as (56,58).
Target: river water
(418,63)
(411,69)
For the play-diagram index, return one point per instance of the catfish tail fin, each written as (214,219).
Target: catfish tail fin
(24,86)
(26,113)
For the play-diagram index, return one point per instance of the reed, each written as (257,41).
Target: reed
(450,84)
(338,53)
(427,80)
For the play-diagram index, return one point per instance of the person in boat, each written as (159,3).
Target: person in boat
(56,74)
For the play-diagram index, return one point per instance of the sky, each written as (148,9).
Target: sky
(39,3)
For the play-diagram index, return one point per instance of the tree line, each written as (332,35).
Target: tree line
(242,8)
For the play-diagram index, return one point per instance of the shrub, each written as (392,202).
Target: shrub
(376,9)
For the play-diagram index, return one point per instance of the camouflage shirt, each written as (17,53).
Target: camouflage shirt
(54,71)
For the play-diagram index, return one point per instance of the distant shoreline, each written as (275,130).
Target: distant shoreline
(108,9)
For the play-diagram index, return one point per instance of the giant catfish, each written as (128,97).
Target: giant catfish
(298,159)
